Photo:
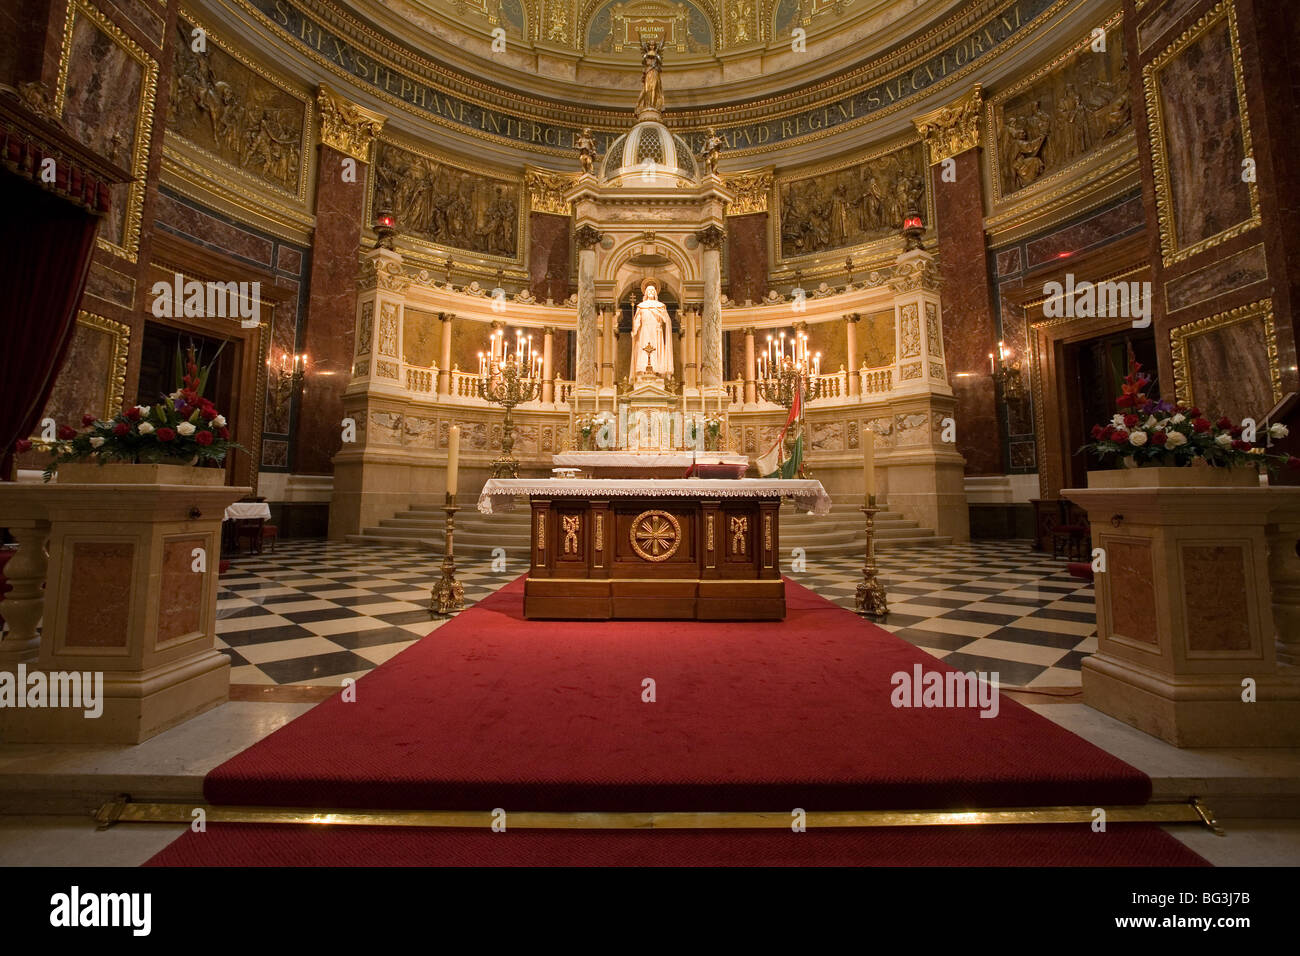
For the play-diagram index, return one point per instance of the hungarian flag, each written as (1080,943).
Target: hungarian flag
(770,464)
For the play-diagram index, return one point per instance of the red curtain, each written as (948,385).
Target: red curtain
(46,244)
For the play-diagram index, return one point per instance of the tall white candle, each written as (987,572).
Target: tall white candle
(869,462)
(453,459)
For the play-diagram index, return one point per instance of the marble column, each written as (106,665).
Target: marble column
(851,344)
(444,363)
(588,358)
(24,605)
(346,133)
(710,239)
(751,371)
(952,136)
(548,373)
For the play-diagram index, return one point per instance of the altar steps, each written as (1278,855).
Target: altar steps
(838,534)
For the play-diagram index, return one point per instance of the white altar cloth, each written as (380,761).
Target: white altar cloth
(248,510)
(637,459)
(499,493)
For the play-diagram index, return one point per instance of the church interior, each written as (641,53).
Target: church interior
(649,433)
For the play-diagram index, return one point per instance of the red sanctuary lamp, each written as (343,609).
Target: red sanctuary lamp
(913,230)
(385,228)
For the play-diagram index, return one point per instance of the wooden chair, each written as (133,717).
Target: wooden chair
(270,532)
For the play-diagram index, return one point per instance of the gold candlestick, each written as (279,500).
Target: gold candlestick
(448,595)
(870,600)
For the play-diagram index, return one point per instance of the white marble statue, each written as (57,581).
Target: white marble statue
(652,327)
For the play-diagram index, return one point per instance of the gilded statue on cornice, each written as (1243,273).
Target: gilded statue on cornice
(652,91)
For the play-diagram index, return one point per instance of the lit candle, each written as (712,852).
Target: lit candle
(869,463)
(992,367)
(453,459)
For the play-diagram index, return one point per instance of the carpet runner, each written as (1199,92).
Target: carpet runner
(493,711)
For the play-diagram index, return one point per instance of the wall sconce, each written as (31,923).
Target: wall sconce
(1007,376)
(283,378)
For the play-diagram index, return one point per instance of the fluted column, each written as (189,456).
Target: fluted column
(710,238)
(588,359)
(548,374)
(851,343)
(751,371)
(444,363)
(610,327)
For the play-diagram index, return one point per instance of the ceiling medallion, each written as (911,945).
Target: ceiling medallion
(655,535)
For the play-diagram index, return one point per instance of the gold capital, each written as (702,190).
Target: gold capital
(345,126)
(954,128)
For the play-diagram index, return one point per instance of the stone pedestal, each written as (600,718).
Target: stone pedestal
(130,596)
(1184,607)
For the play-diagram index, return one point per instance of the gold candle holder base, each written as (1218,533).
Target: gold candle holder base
(448,595)
(870,600)
(505,468)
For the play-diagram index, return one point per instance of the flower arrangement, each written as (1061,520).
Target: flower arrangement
(181,428)
(1151,433)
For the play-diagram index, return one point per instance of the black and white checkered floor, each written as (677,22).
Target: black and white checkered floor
(315,612)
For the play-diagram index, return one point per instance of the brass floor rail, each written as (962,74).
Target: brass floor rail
(123,810)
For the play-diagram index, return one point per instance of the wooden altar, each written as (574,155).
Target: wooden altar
(693,549)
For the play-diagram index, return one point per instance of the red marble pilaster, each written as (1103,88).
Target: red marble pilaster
(331,314)
(747,257)
(969,320)
(548,256)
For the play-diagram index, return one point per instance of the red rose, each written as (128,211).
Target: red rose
(208,413)
(224,433)
(1293,462)
(1201,425)
(1159,438)
(1130,420)
(1119,435)
(1193,412)
(1240,445)
(121,428)
(22,445)
(1236,432)
(1097,432)
(203,438)
(133,413)
(87,419)
(67,431)
(1224,422)
(165,434)
(1124,401)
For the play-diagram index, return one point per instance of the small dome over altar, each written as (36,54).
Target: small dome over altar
(649,142)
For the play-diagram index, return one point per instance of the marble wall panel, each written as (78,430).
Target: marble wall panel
(181,590)
(95,389)
(747,266)
(1232,273)
(202,227)
(1132,590)
(108,566)
(1202,139)
(1096,230)
(548,256)
(1228,369)
(1217,599)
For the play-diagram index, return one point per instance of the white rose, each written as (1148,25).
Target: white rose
(1118,421)
(146,428)
(1151,422)
(1224,440)
(1137,439)
(96,442)
(1176,440)
(143,409)
(1278,431)
(219,421)
(1179,419)
(186,429)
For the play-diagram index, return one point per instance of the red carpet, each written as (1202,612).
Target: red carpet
(1048,845)
(493,711)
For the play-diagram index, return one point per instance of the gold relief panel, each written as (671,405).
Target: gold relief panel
(345,126)
(850,205)
(107,87)
(752,191)
(237,114)
(1228,363)
(1049,123)
(421,338)
(952,129)
(909,330)
(437,201)
(1196,100)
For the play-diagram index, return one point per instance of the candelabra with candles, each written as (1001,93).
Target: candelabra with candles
(870,598)
(509,378)
(283,379)
(1006,376)
(789,375)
